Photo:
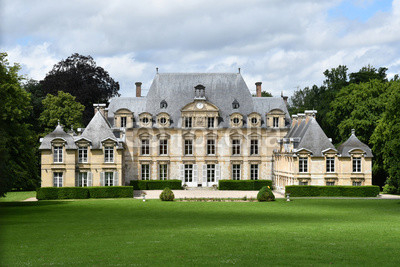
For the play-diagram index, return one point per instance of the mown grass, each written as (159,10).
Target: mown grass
(18,196)
(131,232)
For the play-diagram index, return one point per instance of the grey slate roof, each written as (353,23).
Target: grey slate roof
(58,133)
(353,143)
(311,136)
(97,131)
(177,89)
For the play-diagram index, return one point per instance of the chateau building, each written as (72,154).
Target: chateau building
(200,128)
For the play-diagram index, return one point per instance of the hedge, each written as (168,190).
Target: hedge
(243,184)
(332,191)
(62,193)
(46,193)
(155,184)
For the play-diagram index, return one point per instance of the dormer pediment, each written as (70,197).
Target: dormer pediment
(200,106)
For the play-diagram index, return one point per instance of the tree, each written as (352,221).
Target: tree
(365,74)
(18,161)
(81,77)
(34,88)
(61,109)
(386,138)
(264,94)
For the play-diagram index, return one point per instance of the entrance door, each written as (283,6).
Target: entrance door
(189,175)
(211,174)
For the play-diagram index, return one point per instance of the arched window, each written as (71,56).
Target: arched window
(235,104)
(163,104)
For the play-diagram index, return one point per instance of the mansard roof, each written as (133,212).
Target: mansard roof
(58,133)
(353,143)
(177,89)
(311,137)
(97,131)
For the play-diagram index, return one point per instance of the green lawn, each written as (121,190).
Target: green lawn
(131,232)
(18,196)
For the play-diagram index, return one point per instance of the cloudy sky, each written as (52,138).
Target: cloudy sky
(285,44)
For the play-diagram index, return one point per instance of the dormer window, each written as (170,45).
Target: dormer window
(123,121)
(235,104)
(163,104)
(199,92)
(145,120)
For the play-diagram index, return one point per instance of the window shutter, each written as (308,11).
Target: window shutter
(195,173)
(116,179)
(102,182)
(77,179)
(217,172)
(204,172)
(90,179)
(182,172)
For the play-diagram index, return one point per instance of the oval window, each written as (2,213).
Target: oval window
(254,120)
(145,120)
(163,120)
(235,120)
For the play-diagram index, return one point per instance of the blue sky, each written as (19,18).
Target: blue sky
(284,44)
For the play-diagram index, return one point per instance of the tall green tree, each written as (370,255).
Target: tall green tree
(18,160)
(34,88)
(386,138)
(61,108)
(367,73)
(81,77)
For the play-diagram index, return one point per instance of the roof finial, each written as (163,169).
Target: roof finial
(353,132)
(157,70)
(58,122)
(239,70)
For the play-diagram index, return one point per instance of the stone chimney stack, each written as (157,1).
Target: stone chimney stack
(294,120)
(258,88)
(99,107)
(138,89)
(310,114)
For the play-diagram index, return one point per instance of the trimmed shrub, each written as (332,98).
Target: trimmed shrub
(265,194)
(389,189)
(45,193)
(155,184)
(110,191)
(243,184)
(167,195)
(73,193)
(332,191)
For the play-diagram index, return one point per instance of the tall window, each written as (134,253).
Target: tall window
(235,171)
(58,154)
(356,183)
(254,147)
(188,173)
(58,179)
(235,147)
(210,172)
(303,183)
(210,122)
(163,171)
(188,147)
(188,122)
(254,171)
(303,164)
(210,147)
(108,179)
(145,147)
(356,164)
(123,121)
(330,164)
(330,183)
(83,179)
(82,154)
(163,149)
(109,154)
(275,122)
(145,171)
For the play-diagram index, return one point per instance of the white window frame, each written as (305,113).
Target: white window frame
(330,164)
(357,183)
(108,178)
(303,183)
(145,147)
(254,147)
(163,147)
(211,177)
(123,121)
(303,164)
(58,156)
(188,173)
(188,122)
(210,122)
(145,171)
(356,164)
(236,147)
(236,171)
(109,154)
(188,147)
(330,183)
(211,148)
(83,179)
(254,171)
(83,154)
(58,179)
(163,171)
(275,122)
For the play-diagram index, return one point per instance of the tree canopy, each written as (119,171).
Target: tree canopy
(81,77)
(18,160)
(61,108)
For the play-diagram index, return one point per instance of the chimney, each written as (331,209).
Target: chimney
(310,114)
(301,116)
(258,88)
(294,120)
(99,107)
(138,89)
(285,98)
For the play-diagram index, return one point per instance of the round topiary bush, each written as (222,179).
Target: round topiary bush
(265,194)
(167,195)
